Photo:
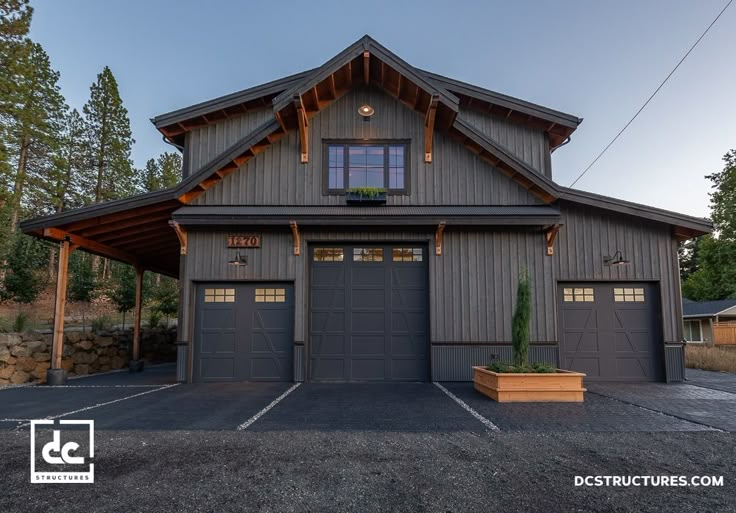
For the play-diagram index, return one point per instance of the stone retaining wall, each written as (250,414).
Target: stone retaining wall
(25,357)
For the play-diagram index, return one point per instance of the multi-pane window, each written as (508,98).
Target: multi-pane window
(626,294)
(328,255)
(693,332)
(381,166)
(336,167)
(406,254)
(396,167)
(270,295)
(368,254)
(578,295)
(219,295)
(365,166)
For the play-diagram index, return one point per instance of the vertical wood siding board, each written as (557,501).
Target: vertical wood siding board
(468,301)
(596,241)
(456,287)
(506,298)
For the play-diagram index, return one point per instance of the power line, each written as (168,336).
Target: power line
(652,96)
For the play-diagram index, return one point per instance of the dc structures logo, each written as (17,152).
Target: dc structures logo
(63,462)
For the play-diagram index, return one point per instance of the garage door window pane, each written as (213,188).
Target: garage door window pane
(368,254)
(406,254)
(628,295)
(578,295)
(219,295)
(328,255)
(270,295)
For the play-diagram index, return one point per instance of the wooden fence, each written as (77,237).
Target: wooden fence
(724,333)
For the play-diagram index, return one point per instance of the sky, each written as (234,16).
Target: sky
(597,60)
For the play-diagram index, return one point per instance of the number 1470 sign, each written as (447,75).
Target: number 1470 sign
(243,241)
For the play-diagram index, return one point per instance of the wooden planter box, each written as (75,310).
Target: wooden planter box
(354,198)
(507,387)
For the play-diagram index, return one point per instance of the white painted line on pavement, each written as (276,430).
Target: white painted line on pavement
(487,423)
(15,420)
(87,408)
(247,423)
(54,387)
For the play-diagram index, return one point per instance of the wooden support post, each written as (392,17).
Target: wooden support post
(438,239)
(295,234)
(60,304)
(135,364)
(429,128)
(549,236)
(56,375)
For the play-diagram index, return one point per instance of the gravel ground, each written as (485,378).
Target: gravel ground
(312,471)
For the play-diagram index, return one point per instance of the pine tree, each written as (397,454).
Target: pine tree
(170,167)
(24,278)
(62,186)
(35,116)
(123,293)
(15,19)
(161,173)
(109,141)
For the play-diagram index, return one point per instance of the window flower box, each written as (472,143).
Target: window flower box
(365,196)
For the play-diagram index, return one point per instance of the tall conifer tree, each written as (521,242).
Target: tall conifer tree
(110,171)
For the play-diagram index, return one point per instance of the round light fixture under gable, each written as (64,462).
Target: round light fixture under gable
(366,111)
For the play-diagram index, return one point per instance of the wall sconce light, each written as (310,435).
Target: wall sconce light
(239,259)
(617,259)
(366,111)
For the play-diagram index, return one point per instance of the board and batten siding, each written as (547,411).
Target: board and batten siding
(205,143)
(276,177)
(589,234)
(474,282)
(529,144)
(472,285)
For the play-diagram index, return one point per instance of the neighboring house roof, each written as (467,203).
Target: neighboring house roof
(136,229)
(708,308)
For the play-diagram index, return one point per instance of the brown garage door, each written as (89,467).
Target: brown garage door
(611,331)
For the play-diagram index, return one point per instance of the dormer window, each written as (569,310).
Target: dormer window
(373,164)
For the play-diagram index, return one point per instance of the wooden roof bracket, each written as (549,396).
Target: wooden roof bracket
(182,236)
(429,128)
(295,235)
(438,238)
(301,115)
(549,236)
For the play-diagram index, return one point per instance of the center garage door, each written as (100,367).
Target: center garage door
(368,313)
(244,332)
(610,331)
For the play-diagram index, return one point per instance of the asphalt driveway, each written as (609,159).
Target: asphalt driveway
(165,447)
(153,401)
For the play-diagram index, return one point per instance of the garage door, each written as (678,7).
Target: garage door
(368,313)
(610,331)
(244,332)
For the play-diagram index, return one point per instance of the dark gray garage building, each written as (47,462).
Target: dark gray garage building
(289,272)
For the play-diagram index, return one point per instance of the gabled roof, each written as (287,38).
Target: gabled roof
(708,308)
(136,229)
(401,80)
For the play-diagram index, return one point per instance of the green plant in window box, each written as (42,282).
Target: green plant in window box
(366,195)
(367,192)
